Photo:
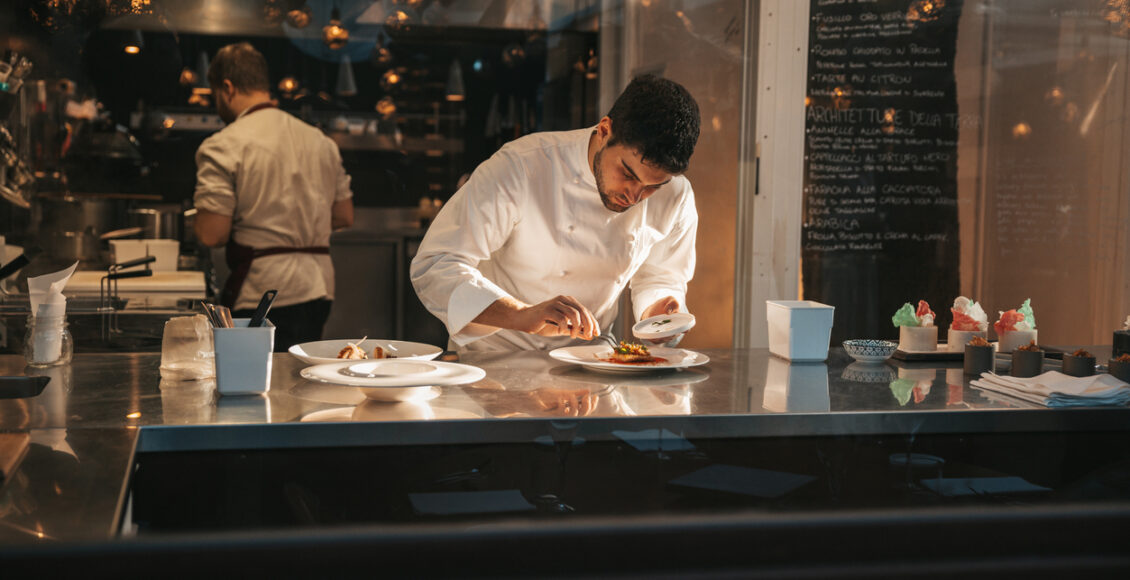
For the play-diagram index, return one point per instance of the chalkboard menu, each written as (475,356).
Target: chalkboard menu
(880,171)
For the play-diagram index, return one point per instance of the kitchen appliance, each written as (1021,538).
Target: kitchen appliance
(163,221)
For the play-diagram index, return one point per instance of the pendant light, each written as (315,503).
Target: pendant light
(334,34)
(299,17)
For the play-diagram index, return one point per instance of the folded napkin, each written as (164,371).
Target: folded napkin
(1055,389)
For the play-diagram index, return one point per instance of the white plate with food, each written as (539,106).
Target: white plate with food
(658,358)
(328,351)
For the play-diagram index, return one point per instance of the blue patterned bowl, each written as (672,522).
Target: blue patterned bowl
(870,351)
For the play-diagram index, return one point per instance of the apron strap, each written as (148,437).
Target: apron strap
(239,258)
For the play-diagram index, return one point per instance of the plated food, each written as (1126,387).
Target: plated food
(328,351)
(353,351)
(599,358)
(632,353)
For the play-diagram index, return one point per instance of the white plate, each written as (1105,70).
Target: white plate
(325,351)
(394,373)
(589,357)
(663,326)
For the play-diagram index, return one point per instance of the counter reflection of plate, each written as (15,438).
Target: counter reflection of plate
(374,411)
(580,376)
(589,357)
(869,373)
(325,351)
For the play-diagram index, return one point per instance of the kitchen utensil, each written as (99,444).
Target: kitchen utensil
(225,317)
(122,233)
(19,262)
(210,312)
(264,307)
(164,221)
(131,263)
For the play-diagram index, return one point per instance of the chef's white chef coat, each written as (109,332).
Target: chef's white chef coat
(277,177)
(529,224)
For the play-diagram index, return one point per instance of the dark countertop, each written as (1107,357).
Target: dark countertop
(99,411)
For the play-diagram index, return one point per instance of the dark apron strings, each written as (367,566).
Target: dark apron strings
(239,258)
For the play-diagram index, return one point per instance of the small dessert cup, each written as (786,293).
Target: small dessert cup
(1027,363)
(1010,341)
(1121,343)
(957,339)
(1119,370)
(979,359)
(1078,366)
(918,338)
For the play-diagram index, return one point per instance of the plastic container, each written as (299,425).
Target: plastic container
(799,330)
(48,342)
(166,252)
(243,358)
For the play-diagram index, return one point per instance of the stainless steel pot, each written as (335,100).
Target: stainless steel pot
(159,222)
(69,227)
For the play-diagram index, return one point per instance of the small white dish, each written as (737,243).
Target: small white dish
(325,351)
(589,356)
(663,326)
(393,373)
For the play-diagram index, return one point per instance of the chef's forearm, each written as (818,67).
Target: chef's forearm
(506,312)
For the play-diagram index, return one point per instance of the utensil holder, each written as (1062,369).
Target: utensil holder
(243,358)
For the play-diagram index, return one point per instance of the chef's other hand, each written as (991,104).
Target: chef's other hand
(665,305)
(560,316)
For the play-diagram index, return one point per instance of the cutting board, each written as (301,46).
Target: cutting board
(13,447)
(88,282)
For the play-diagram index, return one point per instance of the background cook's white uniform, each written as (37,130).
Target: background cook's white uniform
(530,224)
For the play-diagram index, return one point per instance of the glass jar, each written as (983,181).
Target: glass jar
(47,342)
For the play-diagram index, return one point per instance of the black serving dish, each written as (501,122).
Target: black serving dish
(1027,363)
(1119,370)
(22,387)
(979,359)
(1078,366)
(1121,343)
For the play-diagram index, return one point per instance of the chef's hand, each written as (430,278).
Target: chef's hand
(665,305)
(560,316)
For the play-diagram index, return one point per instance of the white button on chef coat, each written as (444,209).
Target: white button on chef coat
(521,219)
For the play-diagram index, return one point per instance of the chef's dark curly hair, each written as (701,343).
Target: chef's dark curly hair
(241,64)
(660,119)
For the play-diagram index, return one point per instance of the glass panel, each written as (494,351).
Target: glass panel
(971,148)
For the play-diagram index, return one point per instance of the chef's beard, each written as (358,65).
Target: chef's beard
(604,197)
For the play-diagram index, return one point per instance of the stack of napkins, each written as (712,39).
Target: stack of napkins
(1055,389)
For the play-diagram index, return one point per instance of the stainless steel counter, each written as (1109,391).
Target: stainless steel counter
(101,409)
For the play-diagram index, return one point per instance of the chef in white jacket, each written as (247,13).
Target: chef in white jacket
(535,249)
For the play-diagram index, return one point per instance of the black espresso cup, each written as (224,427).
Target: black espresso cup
(979,359)
(1119,370)
(1078,366)
(1027,363)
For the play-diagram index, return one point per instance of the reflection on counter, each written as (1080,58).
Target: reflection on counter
(796,387)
